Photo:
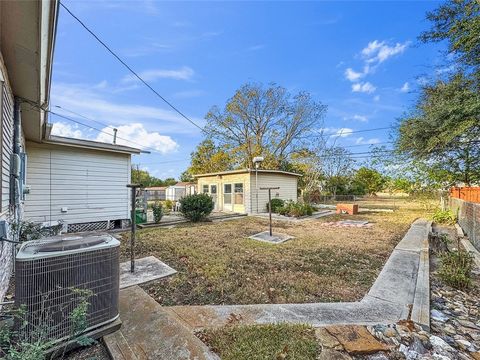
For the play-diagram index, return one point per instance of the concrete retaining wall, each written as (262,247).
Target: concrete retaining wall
(469,219)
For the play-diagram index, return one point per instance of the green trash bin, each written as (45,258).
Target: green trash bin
(140,216)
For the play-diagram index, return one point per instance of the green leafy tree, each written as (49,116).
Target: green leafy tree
(208,158)
(186,176)
(458,22)
(143,177)
(443,130)
(370,180)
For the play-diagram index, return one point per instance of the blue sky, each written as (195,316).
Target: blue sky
(362,59)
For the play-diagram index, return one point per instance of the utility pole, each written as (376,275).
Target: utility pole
(115,135)
(134,188)
(270,203)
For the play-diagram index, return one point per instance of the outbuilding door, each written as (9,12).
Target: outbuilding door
(227,197)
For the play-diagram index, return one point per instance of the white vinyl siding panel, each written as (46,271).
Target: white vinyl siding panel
(287,191)
(7,145)
(91,184)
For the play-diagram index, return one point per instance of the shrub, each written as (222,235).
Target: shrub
(277,204)
(157,209)
(456,269)
(196,207)
(444,217)
(169,204)
(31,340)
(296,209)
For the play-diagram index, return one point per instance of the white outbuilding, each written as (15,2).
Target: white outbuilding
(81,183)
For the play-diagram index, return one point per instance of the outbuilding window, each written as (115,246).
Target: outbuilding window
(205,189)
(238,194)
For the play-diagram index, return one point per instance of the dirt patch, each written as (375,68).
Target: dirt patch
(217,264)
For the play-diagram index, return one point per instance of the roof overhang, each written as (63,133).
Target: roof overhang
(245,171)
(92,145)
(27,42)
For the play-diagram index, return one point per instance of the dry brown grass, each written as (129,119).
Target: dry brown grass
(217,264)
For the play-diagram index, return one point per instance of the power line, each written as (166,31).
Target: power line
(342,133)
(101,131)
(83,116)
(130,69)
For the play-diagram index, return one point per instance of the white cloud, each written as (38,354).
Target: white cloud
(361,118)
(405,88)
(66,130)
(138,135)
(94,103)
(343,132)
(363,141)
(356,117)
(352,75)
(183,73)
(256,47)
(375,53)
(339,132)
(379,51)
(365,87)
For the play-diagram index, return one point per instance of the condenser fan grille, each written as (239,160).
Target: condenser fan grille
(48,289)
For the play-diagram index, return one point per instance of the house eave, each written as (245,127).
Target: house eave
(88,144)
(27,44)
(246,171)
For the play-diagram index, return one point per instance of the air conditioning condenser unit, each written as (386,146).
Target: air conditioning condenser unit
(48,275)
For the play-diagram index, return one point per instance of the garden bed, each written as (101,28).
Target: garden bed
(217,264)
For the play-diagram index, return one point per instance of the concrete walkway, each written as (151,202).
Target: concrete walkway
(148,332)
(391,298)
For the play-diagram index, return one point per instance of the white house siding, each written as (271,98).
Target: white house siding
(288,188)
(90,184)
(6,113)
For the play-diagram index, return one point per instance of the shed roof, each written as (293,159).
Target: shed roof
(245,171)
(154,188)
(89,144)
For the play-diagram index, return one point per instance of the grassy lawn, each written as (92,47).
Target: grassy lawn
(282,341)
(217,264)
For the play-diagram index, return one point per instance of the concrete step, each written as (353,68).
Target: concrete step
(150,332)
(118,347)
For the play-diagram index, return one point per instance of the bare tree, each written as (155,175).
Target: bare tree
(266,121)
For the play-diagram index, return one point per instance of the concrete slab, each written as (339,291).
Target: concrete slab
(421,300)
(148,332)
(413,239)
(146,269)
(275,238)
(396,282)
(316,314)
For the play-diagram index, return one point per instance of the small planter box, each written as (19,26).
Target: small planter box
(351,209)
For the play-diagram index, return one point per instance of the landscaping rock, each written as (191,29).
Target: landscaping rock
(330,354)
(356,339)
(438,316)
(475,355)
(327,340)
